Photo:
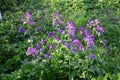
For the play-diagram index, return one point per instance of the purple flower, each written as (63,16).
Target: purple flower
(31,22)
(81,32)
(42,41)
(57,19)
(31,51)
(59,30)
(84,31)
(90,23)
(23,20)
(72,33)
(106,47)
(71,25)
(83,28)
(74,50)
(57,38)
(42,50)
(51,34)
(89,38)
(72,29)
(90,41)
(21,29)
(78,44)
(28,15)
(47,55)
(39,45)
(52,47)
(92,56)
(68,45)
(34,51)
(105,41)
(90,45)
(76,41)
(100,29)
(63,32)
(81,47)
(56,16)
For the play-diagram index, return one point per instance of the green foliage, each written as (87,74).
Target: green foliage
(15,65)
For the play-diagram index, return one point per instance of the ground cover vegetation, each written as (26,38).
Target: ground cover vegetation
(60,40)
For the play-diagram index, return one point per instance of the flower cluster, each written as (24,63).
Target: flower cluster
(28,19)
(21,29)
(31,51)
(92,56)
(88,37)
(72,29)
(78,44)
(89,34)
(57,19)
(95,25)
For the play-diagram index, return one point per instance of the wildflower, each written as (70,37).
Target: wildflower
(90,41)
(105,41)
(28,15)
(78,44)
(57,19)
(51,34)
(84,31)
(39,45)
(34,51)
(89,38)
(81,32)
(47,55)
(42,41)
(59,30)
(83,28)
(74,50)
(23,20)
(90,45)
(76,41)
(71,25)
(72,29)
(68,45)
(21,29)
(81,47)
(57,38)
(100,29)
(31,22)
(63,32)
(106,47)
(42,50)
(72,33)
(31,51)
(92,56)
(52,47)
(90,23)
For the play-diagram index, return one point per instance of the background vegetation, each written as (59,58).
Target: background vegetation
(15,65)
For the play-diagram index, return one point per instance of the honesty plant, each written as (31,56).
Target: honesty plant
(89,35)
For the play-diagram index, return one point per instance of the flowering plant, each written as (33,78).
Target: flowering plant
(67,51)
